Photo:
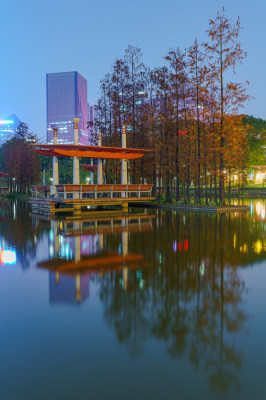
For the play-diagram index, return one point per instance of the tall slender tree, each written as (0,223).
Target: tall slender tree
(225,52)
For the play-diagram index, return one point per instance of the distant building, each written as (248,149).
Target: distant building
(92,118)
(8,128)
(66,99)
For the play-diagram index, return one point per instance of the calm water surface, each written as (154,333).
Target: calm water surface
(162,306)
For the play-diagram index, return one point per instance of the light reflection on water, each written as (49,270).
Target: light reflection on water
(167,304)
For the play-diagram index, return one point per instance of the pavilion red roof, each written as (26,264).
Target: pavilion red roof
(71,150)
(3,174)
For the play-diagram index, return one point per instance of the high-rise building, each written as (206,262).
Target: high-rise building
(66,99)
(8,128)
(92,118)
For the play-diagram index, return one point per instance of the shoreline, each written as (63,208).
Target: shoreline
(183,207)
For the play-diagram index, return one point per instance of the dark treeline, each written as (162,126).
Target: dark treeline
(186,111)
(19,160)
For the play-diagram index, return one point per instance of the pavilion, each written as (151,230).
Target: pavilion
(82,151)
(99,152)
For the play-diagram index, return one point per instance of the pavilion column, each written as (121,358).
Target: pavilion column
(55,167)
(76,159)
(78,286)
(124,162)
(76,180)
(77,226)
(125,251)
(92,177)
(100,164)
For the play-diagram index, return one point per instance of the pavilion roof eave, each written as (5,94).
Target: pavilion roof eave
(89,154)
(49,153)
(99,149)
(95,154)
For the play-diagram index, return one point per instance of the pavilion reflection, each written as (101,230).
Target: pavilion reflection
(78,252)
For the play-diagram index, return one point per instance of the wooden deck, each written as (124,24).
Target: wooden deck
(52,205)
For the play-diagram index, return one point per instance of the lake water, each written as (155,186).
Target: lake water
(159,306)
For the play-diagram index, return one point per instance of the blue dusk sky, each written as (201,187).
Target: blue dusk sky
(38,37)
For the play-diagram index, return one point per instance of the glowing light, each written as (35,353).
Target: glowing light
(142,283)
(258,208)
(202,269)
(244,248)
(6,122)
(260,176)
(257,246)
(175,246)
(8,257)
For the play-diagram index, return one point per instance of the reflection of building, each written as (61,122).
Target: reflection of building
(66,99)
(8,255)
(68,289)
(65,247)
(8,128)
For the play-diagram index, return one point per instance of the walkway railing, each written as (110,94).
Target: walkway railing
(95,191)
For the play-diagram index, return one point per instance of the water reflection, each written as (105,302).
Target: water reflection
(19,232)
(170,277)
(68,290)
(77,253)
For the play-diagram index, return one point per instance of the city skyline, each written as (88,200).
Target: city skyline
(8,127)
(91,48)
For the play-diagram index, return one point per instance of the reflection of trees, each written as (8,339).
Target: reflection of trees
(126,312)
(17,228)
(191,299)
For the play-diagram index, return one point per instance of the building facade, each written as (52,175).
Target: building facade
(66,99)
(92,118)
(8,128)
